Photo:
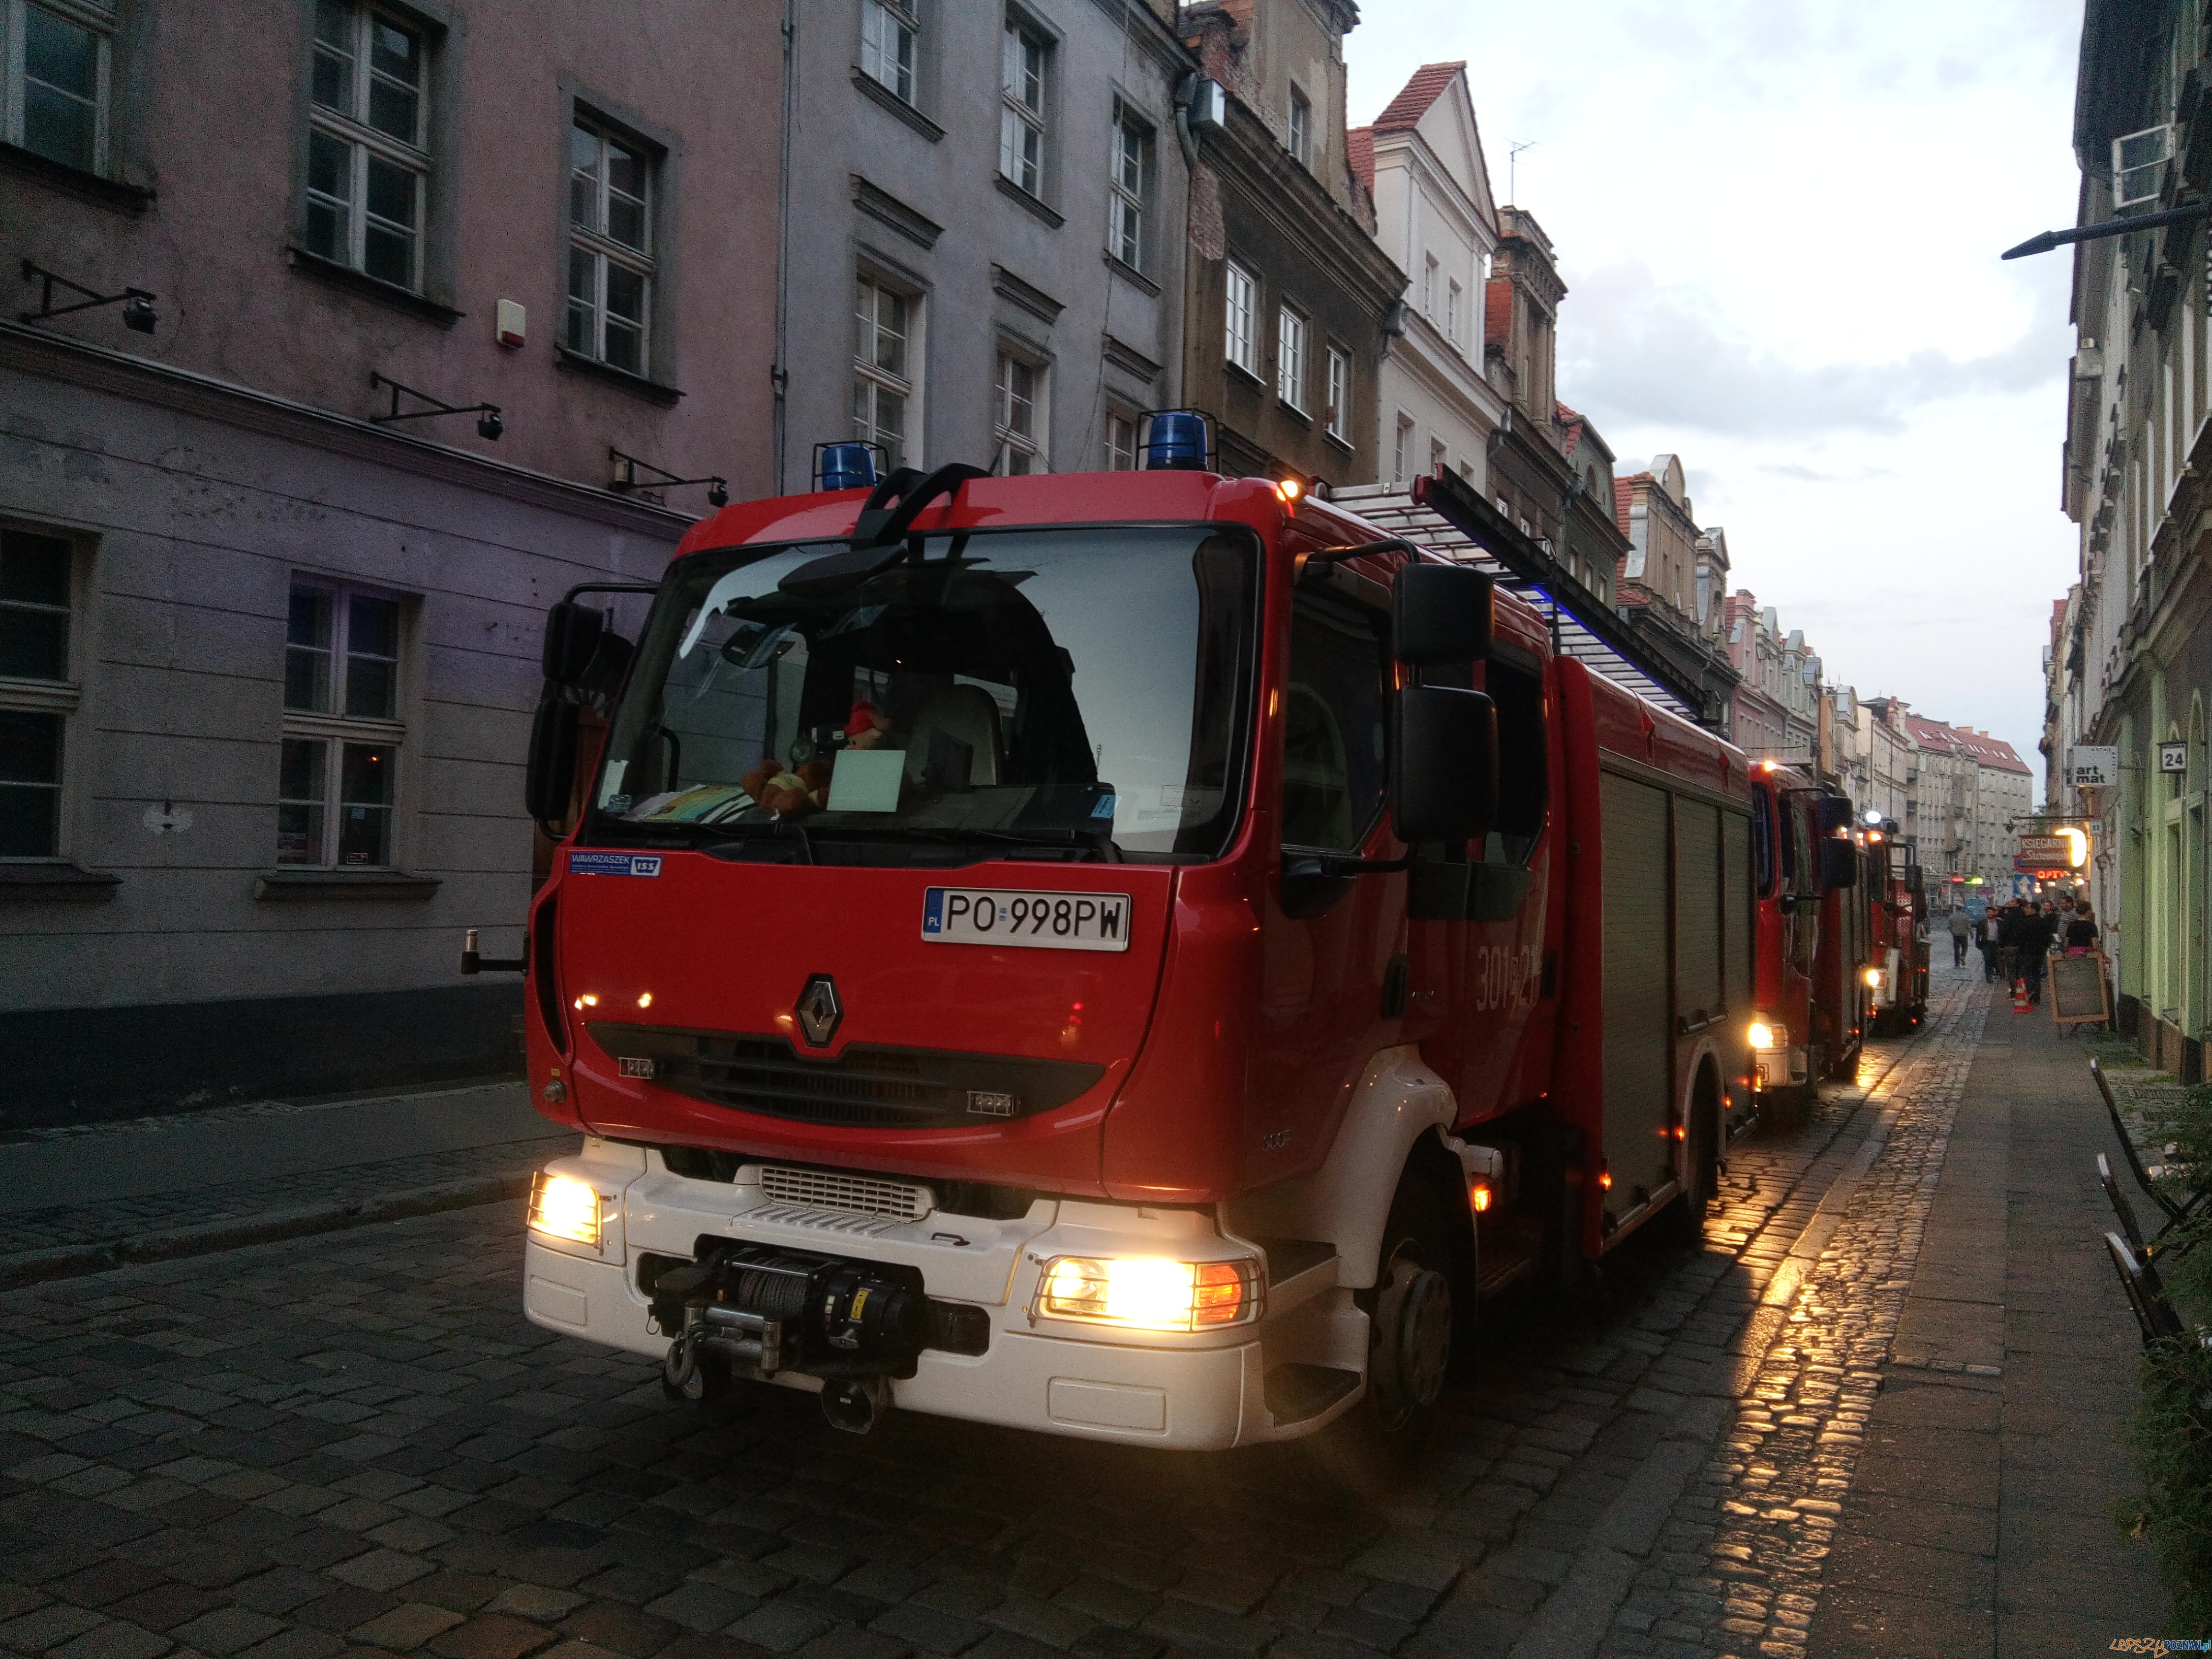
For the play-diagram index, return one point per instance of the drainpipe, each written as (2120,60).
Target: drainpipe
(1186,89)
(780,373)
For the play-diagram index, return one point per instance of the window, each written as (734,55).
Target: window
(1522,797)
(883,379)
(1402,452)
(1333,741)
(609,247)
(1021,108)
(1120,442)
(36,697)
(339,752)
(367,172)
(1243,301)
(1339,395)
(1451,313)
(1429,287)
(57,78)
(1435,457)
(1290,358)
(1125,197)
(1020,388)
(1301,131)
(888,33)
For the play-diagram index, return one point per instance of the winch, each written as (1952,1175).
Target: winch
(855,1325)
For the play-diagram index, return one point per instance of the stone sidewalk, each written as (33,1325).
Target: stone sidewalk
(1980,1520)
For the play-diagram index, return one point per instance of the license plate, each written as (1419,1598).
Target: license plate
(1042,922)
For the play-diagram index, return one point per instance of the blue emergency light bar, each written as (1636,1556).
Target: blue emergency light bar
(848,466)
(1175,441)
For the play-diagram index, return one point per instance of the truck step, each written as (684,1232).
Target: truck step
(1502,1266)
(1297,1392)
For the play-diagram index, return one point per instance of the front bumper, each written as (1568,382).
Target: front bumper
(1184,1390)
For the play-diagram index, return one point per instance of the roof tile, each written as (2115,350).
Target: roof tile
(1359,150)
(1405,110)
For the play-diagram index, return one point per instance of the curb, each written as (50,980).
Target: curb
(75,1261)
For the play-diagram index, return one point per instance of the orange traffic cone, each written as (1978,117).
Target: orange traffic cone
(2020,996)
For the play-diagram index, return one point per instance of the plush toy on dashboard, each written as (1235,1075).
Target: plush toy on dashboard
(868,728)
(788,793)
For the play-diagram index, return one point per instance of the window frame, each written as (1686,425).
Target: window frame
(98,20)
(906,20)
(1454,294)
(1234,277)
(1293,350)
(60,700)
(338,731)
(1401,447)
(607,251)
(1338,425)
(1297,136)
(1020,120)
(866,372)
(1008,441)
(1429,286)
(1128,207)
(1119,458)
(365,143)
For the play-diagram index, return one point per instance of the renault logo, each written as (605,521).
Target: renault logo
(819,1011)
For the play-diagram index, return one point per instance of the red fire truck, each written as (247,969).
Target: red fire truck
(1805,862)
(1134,956)
(1896,904)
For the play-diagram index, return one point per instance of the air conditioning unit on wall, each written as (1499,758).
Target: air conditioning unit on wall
(2139,161)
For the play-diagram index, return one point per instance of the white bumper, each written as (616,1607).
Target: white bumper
(1189,1391)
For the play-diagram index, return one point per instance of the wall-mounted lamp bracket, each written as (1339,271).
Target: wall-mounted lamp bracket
(626,479)
(137,304)
(489,422)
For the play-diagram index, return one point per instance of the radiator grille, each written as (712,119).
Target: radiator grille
(829,1189)
(865,1087)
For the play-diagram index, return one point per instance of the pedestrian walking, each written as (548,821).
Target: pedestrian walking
(1986,937)
(1960,929)
(2011,921)
(2080,935)
(2036,932)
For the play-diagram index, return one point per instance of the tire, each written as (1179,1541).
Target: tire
(1685,1217)
(1416,1305)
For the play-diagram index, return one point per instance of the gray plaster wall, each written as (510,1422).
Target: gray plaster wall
(193,527)
(841,134)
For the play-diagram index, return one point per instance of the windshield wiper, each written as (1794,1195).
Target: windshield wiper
(1097,841)
(762,830)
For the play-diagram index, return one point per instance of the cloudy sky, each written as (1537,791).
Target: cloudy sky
(1779,225)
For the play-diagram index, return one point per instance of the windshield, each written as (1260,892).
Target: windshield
(1083,688)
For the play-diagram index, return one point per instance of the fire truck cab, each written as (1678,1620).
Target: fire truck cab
(1134,955)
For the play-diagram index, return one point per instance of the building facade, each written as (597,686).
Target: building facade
(1422,161)
(1674,576)
(2132,666)
(1289,298)
(985,259)
(270,653)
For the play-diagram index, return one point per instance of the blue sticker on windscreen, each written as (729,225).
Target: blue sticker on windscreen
(614,864)
(1104,809)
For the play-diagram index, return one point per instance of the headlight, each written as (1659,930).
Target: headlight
(1873,977)
(565,1207)
(1143,1294)
(1767,1034)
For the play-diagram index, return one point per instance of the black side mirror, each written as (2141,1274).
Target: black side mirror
(1441,615)
(1443,785)
(1832,813)
(1839,863)
(573,634)
(550,777)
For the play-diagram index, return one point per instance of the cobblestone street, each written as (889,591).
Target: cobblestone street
(354,1441)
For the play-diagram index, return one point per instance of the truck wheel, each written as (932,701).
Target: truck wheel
(1410,1333)
(1687,1221)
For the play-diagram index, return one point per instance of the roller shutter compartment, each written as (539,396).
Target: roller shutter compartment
(1637,1011)
(1697,909)
(1736,910)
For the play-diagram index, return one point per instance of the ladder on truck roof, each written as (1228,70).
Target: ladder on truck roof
(1444,515)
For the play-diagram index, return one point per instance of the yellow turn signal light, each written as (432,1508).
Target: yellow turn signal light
(1478,1194)
(1141,1293)
(562,1207)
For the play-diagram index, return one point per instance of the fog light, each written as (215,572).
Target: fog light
(1144,1294)
(565,1207)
